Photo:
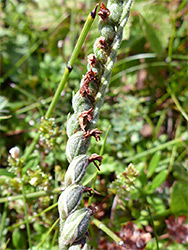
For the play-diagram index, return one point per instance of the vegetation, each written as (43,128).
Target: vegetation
(141,188)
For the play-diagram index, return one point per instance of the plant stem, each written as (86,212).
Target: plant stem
(4,215)
(30,195)
(153,150)
(154,229)
(73,58)
(179,106)
(64,78)
(105,229)
(49,231)
(26,214)
(23,222)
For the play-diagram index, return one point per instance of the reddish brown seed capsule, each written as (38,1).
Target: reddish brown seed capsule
(92,60)
(101,43)
(89,76)
(93,132)
(85,117)
(96,157)
(103,12)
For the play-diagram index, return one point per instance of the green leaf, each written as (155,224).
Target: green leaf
(18,239)
(3,102)
(156,16)
(153,163)
(152,37)
(179,198)
(6,173)
(159,179)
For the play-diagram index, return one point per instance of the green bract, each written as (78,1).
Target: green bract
(75,226)
(100,54)
(80,103)
(73,124)
(69,200)
(116,9)
(107,30)
(76,169)
(76,145)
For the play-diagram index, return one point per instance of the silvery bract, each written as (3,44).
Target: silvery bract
(75,226)
(69,200)
(76,169)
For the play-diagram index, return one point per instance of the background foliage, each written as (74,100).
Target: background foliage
(145,111)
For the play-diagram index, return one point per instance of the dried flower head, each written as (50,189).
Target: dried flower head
(89,76)
(132,239)
(103,12)
(95,157)
(101,43)
(93,132)
(85,117)
(92,60)
(176,230)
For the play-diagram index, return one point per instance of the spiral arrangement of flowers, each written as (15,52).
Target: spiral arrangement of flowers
(86,104)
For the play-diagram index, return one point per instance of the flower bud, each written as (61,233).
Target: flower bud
(73,124)
(80,103)
(75,226)
(100,51)
(116,9)
(69,200)
(76,145)
(107,30)
(76,169)
(14,152)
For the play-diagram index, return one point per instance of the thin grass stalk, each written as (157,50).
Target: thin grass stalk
(64,78)
(26,215)
(105,229)
(3,218)
(49,231)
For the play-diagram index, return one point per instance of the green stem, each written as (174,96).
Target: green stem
(143,66)
(3,218)
(64,78)
(154,229)
(30,195)
(153,150)
(31,147)
(179,106)
(174,149)
(73,58)
(26,214)
(105,229)
(23,222)
(49,231)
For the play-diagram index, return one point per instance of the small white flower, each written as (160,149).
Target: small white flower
(15,152)
(33,181)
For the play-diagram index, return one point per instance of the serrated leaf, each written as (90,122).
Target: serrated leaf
(153,163)
(179,198)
